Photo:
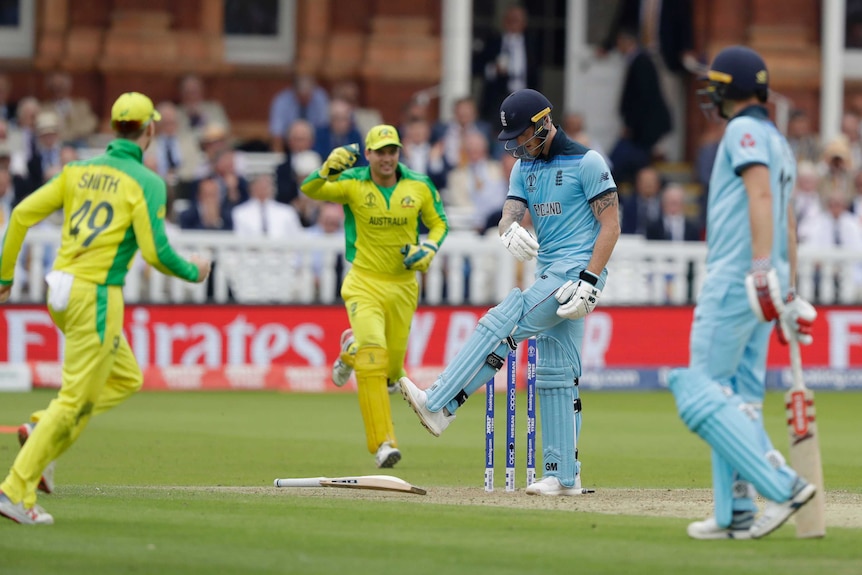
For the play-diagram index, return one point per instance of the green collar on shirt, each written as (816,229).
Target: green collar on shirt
(121,148)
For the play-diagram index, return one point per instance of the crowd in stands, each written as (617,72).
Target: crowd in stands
(212,188)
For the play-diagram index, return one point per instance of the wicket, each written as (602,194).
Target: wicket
(511,404)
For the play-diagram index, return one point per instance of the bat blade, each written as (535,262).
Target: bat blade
(805,449)
(372,482)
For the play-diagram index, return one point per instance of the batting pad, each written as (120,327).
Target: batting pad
(371,364)
(558,434)
(470,368)
(715,416)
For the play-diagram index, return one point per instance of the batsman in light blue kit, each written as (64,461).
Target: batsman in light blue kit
(572,200)
(751,260)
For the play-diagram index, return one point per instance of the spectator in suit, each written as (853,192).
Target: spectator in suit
(304,100)
(262,216)
(233,186)
(506,61)
(422,155)
(7,106)
(804,143)
(7,188)
(77,120)
(44,161)
(195,112)
(642,206)
(850,129)
(208,211)
(340,131)
(644,112)
(299,138)
(665,30)
(673,225)
(177,153)
(214,140)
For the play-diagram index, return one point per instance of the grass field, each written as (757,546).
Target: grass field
(181,483)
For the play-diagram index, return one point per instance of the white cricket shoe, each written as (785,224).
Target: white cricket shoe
(17,513)
(709,528)
(775,514)
(46,483)
(434,421)
(340,370)
(551,486)
(387,456)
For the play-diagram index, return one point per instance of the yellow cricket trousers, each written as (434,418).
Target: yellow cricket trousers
(99,372)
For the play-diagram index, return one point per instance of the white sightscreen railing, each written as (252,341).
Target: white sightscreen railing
(469,270)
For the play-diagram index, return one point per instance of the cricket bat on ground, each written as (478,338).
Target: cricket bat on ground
(374,482)
(805,447)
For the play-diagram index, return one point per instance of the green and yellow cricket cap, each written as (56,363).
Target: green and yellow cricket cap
(381,136)
(134,107)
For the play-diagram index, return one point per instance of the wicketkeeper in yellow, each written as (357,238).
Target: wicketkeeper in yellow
(112,206)
(383,204)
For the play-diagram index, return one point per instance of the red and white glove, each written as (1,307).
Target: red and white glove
(797,320)
(764,291)
(520,242)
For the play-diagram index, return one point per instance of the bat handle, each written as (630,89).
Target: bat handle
(299,482)
(795,361)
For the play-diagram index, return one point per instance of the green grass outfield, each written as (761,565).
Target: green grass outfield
(182,483)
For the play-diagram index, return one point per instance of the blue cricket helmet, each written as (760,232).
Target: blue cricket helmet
(737,73)
(520,110)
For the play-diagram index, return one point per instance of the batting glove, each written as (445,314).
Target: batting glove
(797,320)
(578,299)
(339,160)
(764,291)
(520,242)
(418,257)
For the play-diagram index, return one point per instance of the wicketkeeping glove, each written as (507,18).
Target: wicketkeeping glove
(764,291)
(520,242)
(797,320)
(339,160)
(418,257)
(578,299)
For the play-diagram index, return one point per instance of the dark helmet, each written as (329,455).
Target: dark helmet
(737,73)
(520,110)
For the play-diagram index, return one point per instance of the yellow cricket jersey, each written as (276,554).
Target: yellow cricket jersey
(380,221)
(112,205)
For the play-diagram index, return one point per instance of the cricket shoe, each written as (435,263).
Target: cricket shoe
(434,421)
(46,483)
(340,370)
(551,486)
(387,456)
(710,529)
(775,514)
(19,514)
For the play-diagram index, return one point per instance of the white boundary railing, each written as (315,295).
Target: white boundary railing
(470,270)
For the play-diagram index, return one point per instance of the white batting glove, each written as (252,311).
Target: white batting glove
(520,242)
(578,299)
(764,291)
(797,320)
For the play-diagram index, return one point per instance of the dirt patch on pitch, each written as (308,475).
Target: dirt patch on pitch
(843,509)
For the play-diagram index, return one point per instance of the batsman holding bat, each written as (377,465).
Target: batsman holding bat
(384,204)
(751,260)
(112,206)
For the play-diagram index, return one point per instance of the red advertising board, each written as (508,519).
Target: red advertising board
(253,341)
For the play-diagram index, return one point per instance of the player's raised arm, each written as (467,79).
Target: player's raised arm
(319,184)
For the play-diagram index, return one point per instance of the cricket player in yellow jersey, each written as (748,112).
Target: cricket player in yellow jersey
(383,203)
(112,206)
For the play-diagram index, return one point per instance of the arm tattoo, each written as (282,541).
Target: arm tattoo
(603,202)
(513,211)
